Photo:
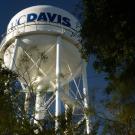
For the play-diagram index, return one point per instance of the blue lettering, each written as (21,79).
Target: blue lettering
(13,24)
(59,19)
(66,22)
(51,17)
(19,20)
(31,17)
(42,17)
(54,18)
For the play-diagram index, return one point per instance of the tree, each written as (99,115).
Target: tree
(10,123)
(7,117)
(15,121)
(109,33)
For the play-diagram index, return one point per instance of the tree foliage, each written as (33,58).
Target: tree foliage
(14,120)
(10,124)
(109,33)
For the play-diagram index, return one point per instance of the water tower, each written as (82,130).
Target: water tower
(42,45)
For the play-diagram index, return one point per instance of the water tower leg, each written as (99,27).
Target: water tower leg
(12,64)
(37,107)
(26,103)
(66,91)
(86,99)
(57,94)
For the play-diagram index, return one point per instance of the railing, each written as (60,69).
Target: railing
(15,29)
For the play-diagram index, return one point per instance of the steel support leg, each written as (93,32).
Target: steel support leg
(86,98)
(57,94)
(12,64)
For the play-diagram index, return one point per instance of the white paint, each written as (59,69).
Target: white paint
(58,84)
(86,99)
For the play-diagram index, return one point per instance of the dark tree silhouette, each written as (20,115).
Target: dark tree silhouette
(109,33)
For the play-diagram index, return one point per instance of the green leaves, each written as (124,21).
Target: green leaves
(108,32)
